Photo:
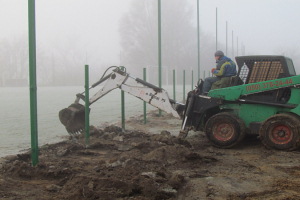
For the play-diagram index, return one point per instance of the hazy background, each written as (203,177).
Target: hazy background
(101,33)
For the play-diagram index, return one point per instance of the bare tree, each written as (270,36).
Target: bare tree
(139,36)
(62,65)
(13,59)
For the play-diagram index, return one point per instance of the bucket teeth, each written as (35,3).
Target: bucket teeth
(75,132)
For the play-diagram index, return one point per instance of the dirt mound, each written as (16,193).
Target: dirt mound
(116,164)
(135,164)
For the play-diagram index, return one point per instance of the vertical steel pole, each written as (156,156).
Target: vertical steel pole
(204,74)
(226,37)
(144,103)
(237,46)
(123,105)
(87,105)
(216,28)
(123,109)
(183,85)
(174,85)
(198,38)
(159,47)
(32,78)
(192,80)
(232,47)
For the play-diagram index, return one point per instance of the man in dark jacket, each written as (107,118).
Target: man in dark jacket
(225,68)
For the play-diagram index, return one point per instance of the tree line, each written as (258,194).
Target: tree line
(62,63)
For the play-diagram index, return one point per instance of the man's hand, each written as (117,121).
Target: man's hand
(212,70)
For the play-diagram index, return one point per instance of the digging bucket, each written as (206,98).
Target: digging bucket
(73,118)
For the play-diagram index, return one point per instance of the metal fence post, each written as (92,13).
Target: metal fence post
(183,85)
(145,108)
(159,48)
(174,85)
(123,106)
(33,87)
(198,38)
(87,105)
(123,109)
(192,87)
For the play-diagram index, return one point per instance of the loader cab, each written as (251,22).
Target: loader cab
(252,69)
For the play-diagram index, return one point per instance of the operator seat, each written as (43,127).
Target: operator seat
(227,82)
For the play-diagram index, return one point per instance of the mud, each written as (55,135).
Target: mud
(148,162)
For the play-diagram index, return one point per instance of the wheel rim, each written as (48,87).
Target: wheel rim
(223,131)
(281,134)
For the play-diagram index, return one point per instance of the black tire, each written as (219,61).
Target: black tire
(225,130)
(281,132)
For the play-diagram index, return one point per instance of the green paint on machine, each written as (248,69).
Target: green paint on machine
(262,99)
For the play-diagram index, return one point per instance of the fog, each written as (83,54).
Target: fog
(72,33)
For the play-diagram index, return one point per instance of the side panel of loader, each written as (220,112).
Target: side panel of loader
(252,113)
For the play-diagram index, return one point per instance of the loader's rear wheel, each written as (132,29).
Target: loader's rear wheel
(281,132)
(225,130)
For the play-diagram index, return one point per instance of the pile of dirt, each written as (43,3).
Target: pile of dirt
(116,164)
(137,164)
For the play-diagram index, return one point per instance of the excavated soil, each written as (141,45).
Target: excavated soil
(148,162)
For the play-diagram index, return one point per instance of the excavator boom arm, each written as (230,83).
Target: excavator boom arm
(73,116)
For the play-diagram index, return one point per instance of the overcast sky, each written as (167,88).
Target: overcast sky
(263,26)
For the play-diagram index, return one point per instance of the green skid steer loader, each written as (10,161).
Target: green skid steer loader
(262,99)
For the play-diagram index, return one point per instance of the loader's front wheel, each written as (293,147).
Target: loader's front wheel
(281,131)
(224,130)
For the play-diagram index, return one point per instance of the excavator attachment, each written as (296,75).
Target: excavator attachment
(73,118)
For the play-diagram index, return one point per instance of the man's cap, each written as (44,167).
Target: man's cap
(219,53)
